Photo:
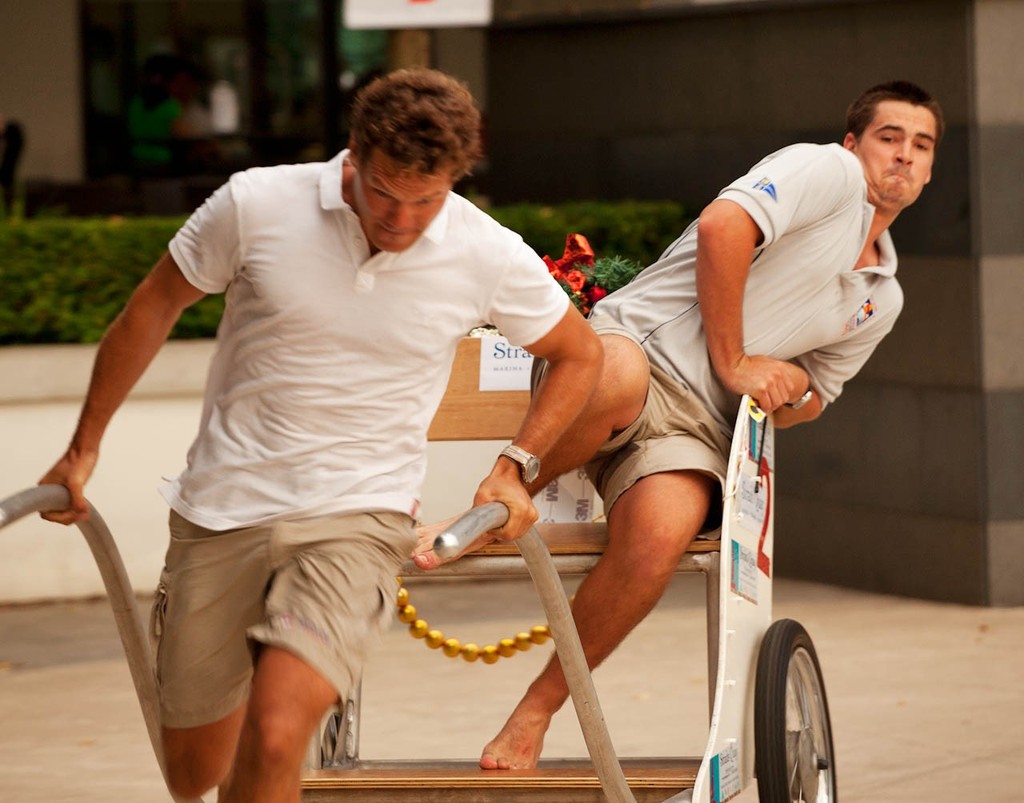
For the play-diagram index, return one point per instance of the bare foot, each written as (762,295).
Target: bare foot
(423,555)
(518,745)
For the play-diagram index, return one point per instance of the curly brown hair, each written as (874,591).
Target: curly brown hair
(422,119)
(862,110)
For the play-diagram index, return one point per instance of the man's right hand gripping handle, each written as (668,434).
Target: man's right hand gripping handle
(72,471)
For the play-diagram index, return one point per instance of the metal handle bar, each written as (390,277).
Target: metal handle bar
(460,536)
(119,592)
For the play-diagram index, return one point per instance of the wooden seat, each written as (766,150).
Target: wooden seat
(577,539)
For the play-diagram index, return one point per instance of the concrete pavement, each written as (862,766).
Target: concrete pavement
(926,698)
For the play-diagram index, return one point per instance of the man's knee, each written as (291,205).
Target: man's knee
(200,758)
(288,702)
(192,773)
(653,522)
(277,736)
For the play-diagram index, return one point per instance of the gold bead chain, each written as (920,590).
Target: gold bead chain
(452,647)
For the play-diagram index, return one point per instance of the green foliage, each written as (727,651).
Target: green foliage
(636,230)
(613,272)
(64,280)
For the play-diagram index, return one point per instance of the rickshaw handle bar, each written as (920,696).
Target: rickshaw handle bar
(133,635)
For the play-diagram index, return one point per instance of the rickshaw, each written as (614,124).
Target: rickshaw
(769,716)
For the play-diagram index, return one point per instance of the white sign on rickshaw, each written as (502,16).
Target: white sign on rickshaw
(503,366)
(753,502)
(416,13)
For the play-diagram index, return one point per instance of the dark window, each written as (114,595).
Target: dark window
(206,87)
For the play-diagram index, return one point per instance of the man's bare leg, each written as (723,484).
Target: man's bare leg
(617,401)
(200,758)
(288,700)
(649,529)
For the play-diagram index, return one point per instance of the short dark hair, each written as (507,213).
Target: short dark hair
(862,110)
(424,120)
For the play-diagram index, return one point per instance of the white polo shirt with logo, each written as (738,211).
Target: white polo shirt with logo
(804,301)
(330,362)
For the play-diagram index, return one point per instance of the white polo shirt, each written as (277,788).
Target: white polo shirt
(804,301)
(331,363)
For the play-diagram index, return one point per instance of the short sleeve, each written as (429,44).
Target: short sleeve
(207,248)
(796,186)
(528,302)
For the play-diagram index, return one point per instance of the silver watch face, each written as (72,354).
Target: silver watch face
(529,465)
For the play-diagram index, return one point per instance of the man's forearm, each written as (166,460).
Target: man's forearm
(125,352)
(726,238)
(129,346)
(574,355)
(568,385)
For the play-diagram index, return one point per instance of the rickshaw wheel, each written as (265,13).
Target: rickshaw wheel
(794,759)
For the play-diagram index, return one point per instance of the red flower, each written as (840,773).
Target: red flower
(577,252)
(575,279)
(595,294)
(576,270)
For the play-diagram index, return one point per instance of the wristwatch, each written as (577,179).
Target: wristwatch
(802,400)
(529,464)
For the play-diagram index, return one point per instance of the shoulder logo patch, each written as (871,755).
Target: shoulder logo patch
(861,317)
(766,185)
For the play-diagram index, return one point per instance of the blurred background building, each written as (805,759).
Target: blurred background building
(914,484)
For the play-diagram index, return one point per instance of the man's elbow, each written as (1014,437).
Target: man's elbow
(594,348)
(593,356)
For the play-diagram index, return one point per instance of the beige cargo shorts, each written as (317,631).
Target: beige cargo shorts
(674,432)
(321,588)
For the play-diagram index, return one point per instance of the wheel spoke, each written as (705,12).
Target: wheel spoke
(804,732)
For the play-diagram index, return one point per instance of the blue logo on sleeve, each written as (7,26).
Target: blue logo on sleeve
(766,185)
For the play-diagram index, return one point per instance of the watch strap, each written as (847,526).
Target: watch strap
(522,457)
(802,400)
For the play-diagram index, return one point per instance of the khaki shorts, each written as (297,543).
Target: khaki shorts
(674,432)
(321,588)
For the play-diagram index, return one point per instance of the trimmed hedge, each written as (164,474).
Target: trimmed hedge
(636,230)
(64,279)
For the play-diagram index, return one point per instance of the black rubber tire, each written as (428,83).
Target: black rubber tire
(794,758)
